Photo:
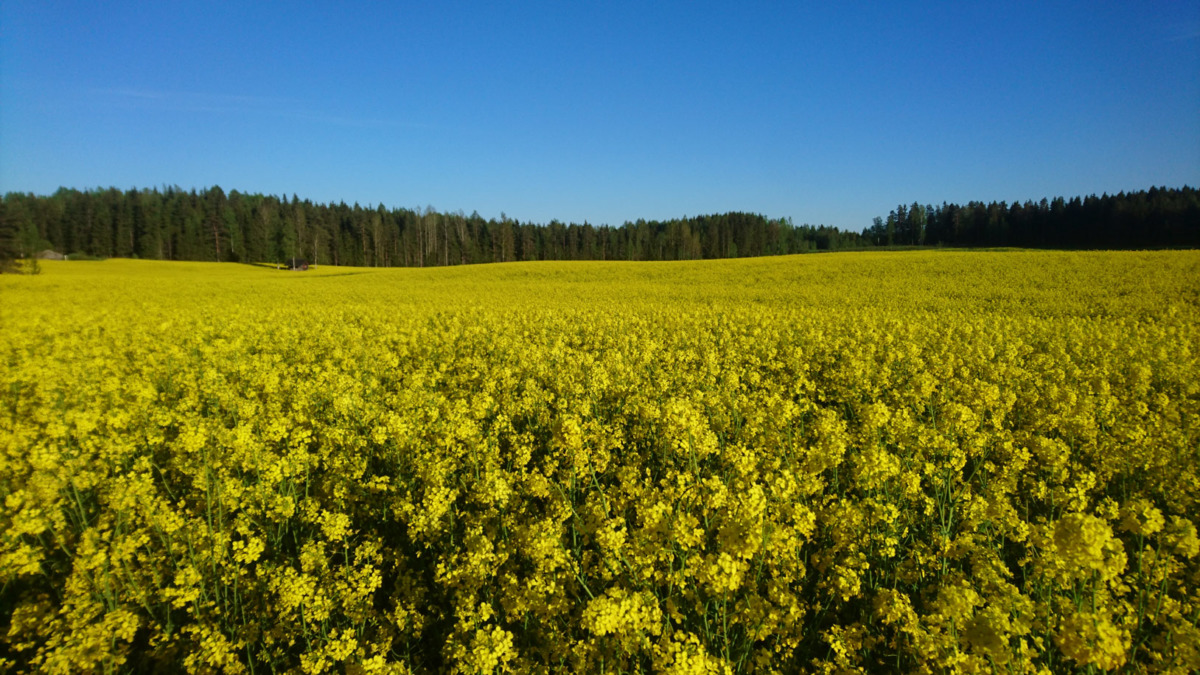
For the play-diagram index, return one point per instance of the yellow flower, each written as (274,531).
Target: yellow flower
(1091,639)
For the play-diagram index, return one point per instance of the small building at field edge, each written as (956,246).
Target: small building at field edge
(298,264)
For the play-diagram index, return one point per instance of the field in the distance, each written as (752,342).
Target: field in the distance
(927,460)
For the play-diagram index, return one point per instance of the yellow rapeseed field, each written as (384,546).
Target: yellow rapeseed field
(929,461)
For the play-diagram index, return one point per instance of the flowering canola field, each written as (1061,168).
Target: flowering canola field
(919,461)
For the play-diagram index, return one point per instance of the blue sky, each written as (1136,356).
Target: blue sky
(829,112)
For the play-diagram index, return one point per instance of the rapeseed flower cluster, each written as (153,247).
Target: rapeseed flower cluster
(921,461)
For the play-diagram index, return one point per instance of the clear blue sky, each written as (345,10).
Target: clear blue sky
(828,112)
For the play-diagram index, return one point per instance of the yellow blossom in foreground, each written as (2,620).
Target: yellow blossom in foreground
(925,461)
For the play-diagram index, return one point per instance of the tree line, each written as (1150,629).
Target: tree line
(210,224)
(1154,218)
(175,224)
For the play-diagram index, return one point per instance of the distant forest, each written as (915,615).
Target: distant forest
(1155,218)
(176,224)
